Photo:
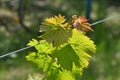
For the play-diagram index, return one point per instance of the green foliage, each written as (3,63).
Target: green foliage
(45,47)
(56,30)
(60,75)
(66,59)
(41,60)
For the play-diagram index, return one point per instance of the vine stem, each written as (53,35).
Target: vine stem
(19,50)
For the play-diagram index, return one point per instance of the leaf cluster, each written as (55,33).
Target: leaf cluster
(59,57)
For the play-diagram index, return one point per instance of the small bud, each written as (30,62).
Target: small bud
(81,23)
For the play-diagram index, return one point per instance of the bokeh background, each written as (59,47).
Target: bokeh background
(20,21)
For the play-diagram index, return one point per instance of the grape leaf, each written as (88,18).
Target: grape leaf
(56,31)
(41,60)
(77,51)
(65,75)
(60,75)
(66,57)
(43,47)
(83,46)
(32,42)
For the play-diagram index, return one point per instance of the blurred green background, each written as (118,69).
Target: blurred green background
(20,21)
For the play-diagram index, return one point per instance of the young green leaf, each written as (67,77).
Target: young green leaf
(42,61)
(66,57)
(56,31)
(60,75)
(77,51)
(45,47)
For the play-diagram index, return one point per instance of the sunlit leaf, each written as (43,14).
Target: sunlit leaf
(56,31)
(42,47)
(42,61)
(66,57)
(83,47)
(32,42)
(60,75)
(77,51)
